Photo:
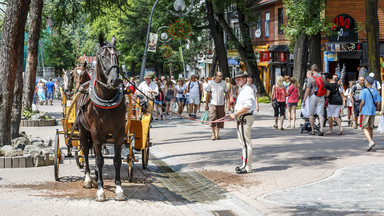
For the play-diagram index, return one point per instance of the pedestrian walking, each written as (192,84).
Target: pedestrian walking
(159,98)
(41,92)
(376,85)
(316,92)
(50,89)
(279,93)
(335,104)
(170,97)
(286,82)
(180,96)
(233,92)
(57,90)
(194,88)
(293,100)
(370,101)
(245,105)
(348,102)
(355,98)
(216,93)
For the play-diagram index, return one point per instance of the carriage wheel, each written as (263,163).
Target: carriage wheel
(131,159)
(57,156)
(79,156)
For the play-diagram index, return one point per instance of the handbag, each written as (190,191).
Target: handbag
(275,103)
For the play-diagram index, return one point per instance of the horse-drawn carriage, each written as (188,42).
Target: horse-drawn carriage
(100,114)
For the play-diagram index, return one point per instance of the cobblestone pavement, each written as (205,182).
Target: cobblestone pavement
(188,174)
(356,188)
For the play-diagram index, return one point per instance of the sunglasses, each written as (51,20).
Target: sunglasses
(220,76)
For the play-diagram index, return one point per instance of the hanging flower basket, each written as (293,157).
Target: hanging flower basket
(180,29)
(166,51)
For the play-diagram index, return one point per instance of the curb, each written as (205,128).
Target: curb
(25,161)
(38,123)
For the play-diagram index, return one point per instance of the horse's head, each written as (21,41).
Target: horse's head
(81,75)
(68,80)
(107,68)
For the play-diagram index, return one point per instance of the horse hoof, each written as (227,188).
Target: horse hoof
(100,196)
(87,184)
(119,196)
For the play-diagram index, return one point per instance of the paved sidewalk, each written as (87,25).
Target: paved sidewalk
(188,174)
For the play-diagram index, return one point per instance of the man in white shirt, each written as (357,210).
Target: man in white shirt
(376,85)
(148,87)
(218,90)
(245,105)
(194,89)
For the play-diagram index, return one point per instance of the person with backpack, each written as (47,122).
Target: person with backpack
(355,99)
(316,93)
(370,101)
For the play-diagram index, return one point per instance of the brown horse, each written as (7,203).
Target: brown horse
(81,75)
(102,113)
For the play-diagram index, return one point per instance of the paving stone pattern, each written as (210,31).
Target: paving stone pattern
(355,188)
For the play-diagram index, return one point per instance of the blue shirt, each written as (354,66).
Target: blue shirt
(369,107)
(49,86)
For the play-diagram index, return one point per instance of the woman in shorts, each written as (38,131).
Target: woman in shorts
(335,103)
(293,100)
(180,96)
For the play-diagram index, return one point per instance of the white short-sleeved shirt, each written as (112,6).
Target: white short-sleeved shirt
(246,99)
(217,91)
(151,87)
(194,88)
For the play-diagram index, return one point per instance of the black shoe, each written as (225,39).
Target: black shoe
(241,171)
(237,169)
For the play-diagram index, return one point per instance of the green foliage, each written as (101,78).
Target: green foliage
(264,100)
(60,51)
(305,17)
(28,113)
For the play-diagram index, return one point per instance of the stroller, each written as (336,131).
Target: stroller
(307,125)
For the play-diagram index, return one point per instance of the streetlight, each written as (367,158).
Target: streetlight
(179,5)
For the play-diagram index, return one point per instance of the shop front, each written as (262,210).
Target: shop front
(263,65)
(281,61)
(344,55)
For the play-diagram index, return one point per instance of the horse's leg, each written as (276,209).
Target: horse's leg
(119,194)
(100,195)
(85,142)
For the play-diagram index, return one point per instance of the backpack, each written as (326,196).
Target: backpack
(320,88)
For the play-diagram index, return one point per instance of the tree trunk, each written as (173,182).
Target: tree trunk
(372,26)
(301,58)
(18,95)
(218,39)
(171,69)
(246,53)
(212,70)
(13,29)
(32,52)
(315,50)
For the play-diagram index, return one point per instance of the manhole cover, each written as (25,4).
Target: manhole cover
(223,213)
(319,158)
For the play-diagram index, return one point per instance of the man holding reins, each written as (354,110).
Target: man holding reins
(245,105)
(148,87)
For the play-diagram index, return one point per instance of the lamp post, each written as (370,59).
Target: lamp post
(146,44)
(179,6)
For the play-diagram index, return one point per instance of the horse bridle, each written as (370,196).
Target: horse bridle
(113,53)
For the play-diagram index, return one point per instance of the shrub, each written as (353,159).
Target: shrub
(264,100)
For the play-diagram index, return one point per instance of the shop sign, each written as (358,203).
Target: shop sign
(265,56)
(343,47)
(333,57)
(233,61)
(282,57)
(344,29)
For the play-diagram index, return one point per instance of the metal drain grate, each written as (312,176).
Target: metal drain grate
(320,158)
(223,213)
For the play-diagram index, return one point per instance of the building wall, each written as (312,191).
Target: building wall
(356,9)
